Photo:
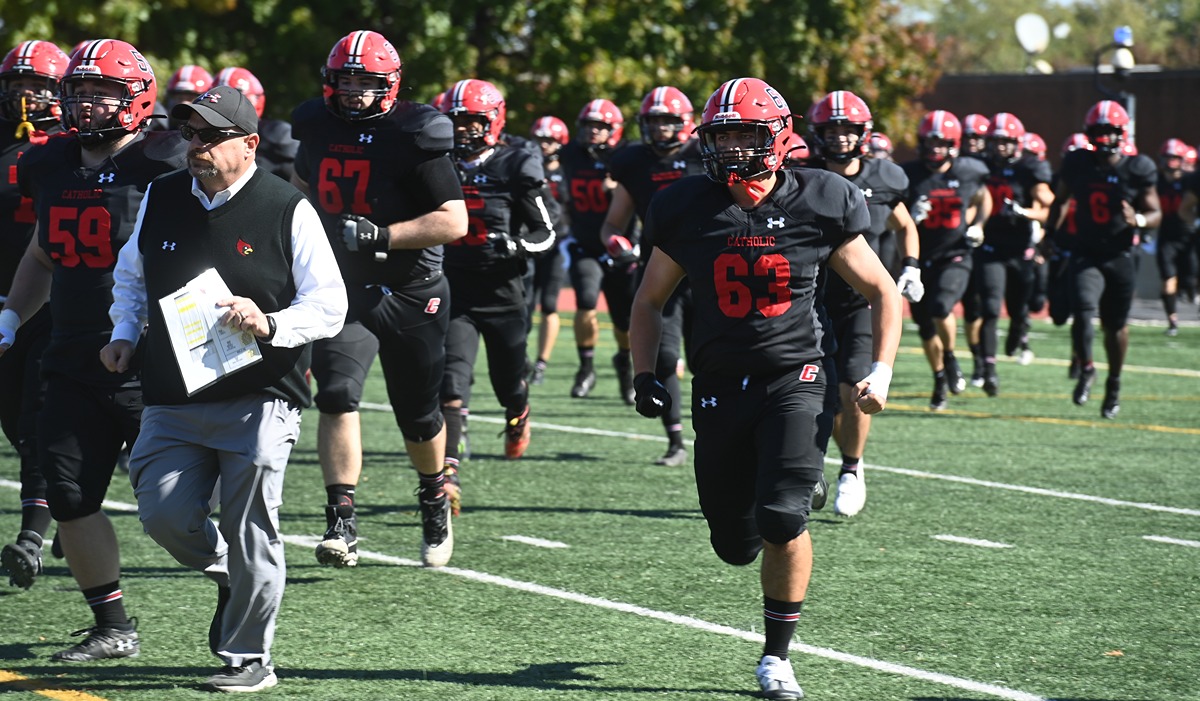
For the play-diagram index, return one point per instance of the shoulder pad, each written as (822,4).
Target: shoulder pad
(1143,166)
(891,174)
(308,115)
(165,146)
(431,130)
(1040,170)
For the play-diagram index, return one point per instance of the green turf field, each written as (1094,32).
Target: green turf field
(1096,597)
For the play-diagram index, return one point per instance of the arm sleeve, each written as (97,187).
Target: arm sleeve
(130,308)
(319,308)
(434,182)
(531,207)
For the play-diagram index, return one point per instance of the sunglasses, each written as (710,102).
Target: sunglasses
(208,135)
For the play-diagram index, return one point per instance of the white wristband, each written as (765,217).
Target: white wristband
(10,321)
(1140,220)
(879,379)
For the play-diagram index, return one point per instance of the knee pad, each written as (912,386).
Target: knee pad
(338,397)
(734,550)
(67,503)
(423,429)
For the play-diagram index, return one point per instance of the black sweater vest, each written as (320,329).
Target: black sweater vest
(249,242)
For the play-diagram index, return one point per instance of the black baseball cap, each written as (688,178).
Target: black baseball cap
(222,106)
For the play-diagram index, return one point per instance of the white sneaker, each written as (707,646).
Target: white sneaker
(777,679)
(1025,357)
(851,493)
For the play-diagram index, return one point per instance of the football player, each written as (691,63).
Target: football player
(276,147)
(379,173)
(754,239)
(506,195)
(87,188)
(666,153)
(839,126)
(880,146)
(593,268)
(1176,251)
(1019,185)
(186,84)
(950,204)
(30,111)
(1115,196)
(975,128)
(549,269)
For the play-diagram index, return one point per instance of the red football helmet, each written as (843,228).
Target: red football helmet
(549,127)
(1006,128)
(1189,160)
(939,125)
(666,101)
(605,112)
(247,84)
(738,105)
(362,53)
(440,100)
(190,79)
(1076,141)
(1105,126)
(837,108)
(1128,148)
(976,125)
(117,62)
(880,145)
(795,149)
(475,98)
(1035,144)
(42,61)
(1174,148)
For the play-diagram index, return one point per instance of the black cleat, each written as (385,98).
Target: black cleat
(675,456)
(624,367)
(537,376)
(23,559)
(991,381)
(954,376)
(1083,387)
(252,676)
(1112,398)
(937,401)
(585,380)
(101,644)
(339,547)
(820,494)
(437,532)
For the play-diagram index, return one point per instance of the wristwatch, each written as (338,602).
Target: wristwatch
(270,328)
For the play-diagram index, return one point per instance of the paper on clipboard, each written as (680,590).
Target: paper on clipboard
(205,349)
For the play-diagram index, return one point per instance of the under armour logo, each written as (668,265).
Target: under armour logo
(679,165)
(774,223)
(708,402)
(366,138)
(952,184)
(480,179)
(123,645)
(169,245)
(106,178)
(1113,179)
(867,192)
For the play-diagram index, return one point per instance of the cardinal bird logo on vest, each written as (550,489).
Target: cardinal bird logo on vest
(244,248)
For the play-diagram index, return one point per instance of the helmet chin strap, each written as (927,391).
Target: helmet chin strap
(25,127)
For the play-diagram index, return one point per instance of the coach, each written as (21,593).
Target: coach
(268,245)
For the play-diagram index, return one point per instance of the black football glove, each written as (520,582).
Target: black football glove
(652,399)
(361,235)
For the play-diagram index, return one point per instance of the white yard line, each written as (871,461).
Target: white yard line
(1173,541)
(538,542)
(970,541)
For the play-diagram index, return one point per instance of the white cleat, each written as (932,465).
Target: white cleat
(1025,357)
(777,680)
(851,493)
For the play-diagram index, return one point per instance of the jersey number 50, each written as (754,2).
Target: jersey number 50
(735,297)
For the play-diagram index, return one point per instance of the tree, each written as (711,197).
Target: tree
(548,56)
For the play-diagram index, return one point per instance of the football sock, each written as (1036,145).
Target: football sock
(453,418)
(849,466)
(587,355)
(108,606)
(779,619)
(675,436)
(341,497)
(35,515)
(1170,304)
(433,482)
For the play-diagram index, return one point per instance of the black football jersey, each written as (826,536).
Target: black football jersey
(756,275)
(84,217)
(1005,233)
(506,198)
(943,233)
(557,185)
(587,194)
(16,210)
(883,185)
(1099,188)
(388,169)
(1170,196)
(644,172)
